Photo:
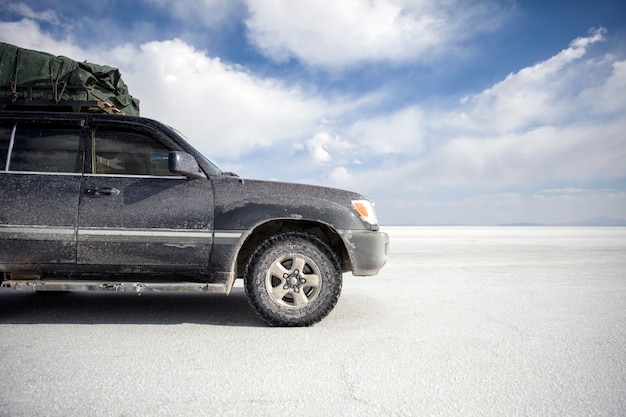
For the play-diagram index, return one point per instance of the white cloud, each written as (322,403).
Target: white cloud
(26,33)
(224,109)
(210,13)
(548,123)
(322,144)
(570,154)
(536,95)
(609,97)
(570,190)
(25,11)
(334,34)
(339,175)
(396,133)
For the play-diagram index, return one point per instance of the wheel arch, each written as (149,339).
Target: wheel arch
(263,231)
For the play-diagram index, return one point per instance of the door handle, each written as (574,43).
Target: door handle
(103,191)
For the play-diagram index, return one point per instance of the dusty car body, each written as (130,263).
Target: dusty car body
(121,203)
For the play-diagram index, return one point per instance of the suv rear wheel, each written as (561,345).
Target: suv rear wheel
(293,279)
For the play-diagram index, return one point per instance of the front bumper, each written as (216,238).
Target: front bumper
(367,249)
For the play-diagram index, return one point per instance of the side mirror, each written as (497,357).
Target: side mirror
(184,164)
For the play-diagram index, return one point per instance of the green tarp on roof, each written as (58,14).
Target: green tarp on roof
(32,75)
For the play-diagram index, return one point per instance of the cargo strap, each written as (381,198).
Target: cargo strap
(14,95)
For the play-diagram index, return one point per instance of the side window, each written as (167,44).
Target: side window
(129,153)
(5,140)
(44,149)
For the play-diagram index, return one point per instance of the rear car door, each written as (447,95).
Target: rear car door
(41,164)
(134,214)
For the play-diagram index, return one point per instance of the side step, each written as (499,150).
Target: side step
(139,287)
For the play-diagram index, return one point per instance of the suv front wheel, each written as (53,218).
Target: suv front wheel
(293,279)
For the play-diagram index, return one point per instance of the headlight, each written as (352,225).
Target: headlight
(365,208)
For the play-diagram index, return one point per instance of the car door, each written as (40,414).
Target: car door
(134,214)
(41,165)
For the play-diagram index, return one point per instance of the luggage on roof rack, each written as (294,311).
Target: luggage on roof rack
(40,81)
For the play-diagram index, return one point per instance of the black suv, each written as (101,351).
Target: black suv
(118,203)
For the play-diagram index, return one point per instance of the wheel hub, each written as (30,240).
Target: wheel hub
(293,280)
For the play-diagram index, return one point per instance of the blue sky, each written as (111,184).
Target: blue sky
(443,112)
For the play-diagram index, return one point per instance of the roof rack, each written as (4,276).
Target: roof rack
(26,101)
(73,106)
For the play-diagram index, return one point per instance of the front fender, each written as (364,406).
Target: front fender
(244,204)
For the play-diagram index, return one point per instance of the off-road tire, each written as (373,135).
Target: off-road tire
(293,279)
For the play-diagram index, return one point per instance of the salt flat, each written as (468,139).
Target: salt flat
(470,321)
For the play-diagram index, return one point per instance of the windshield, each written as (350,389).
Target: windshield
(208,160)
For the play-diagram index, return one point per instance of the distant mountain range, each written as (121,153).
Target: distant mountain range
(602,221)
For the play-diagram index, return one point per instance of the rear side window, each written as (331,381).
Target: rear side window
(129,153)
(44,149)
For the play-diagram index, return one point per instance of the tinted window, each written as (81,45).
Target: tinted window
(5,139)
(129,153)
(45,150)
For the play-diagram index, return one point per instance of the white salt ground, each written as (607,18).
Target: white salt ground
(461,322)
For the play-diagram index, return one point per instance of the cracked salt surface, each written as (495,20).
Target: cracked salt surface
(461,322)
